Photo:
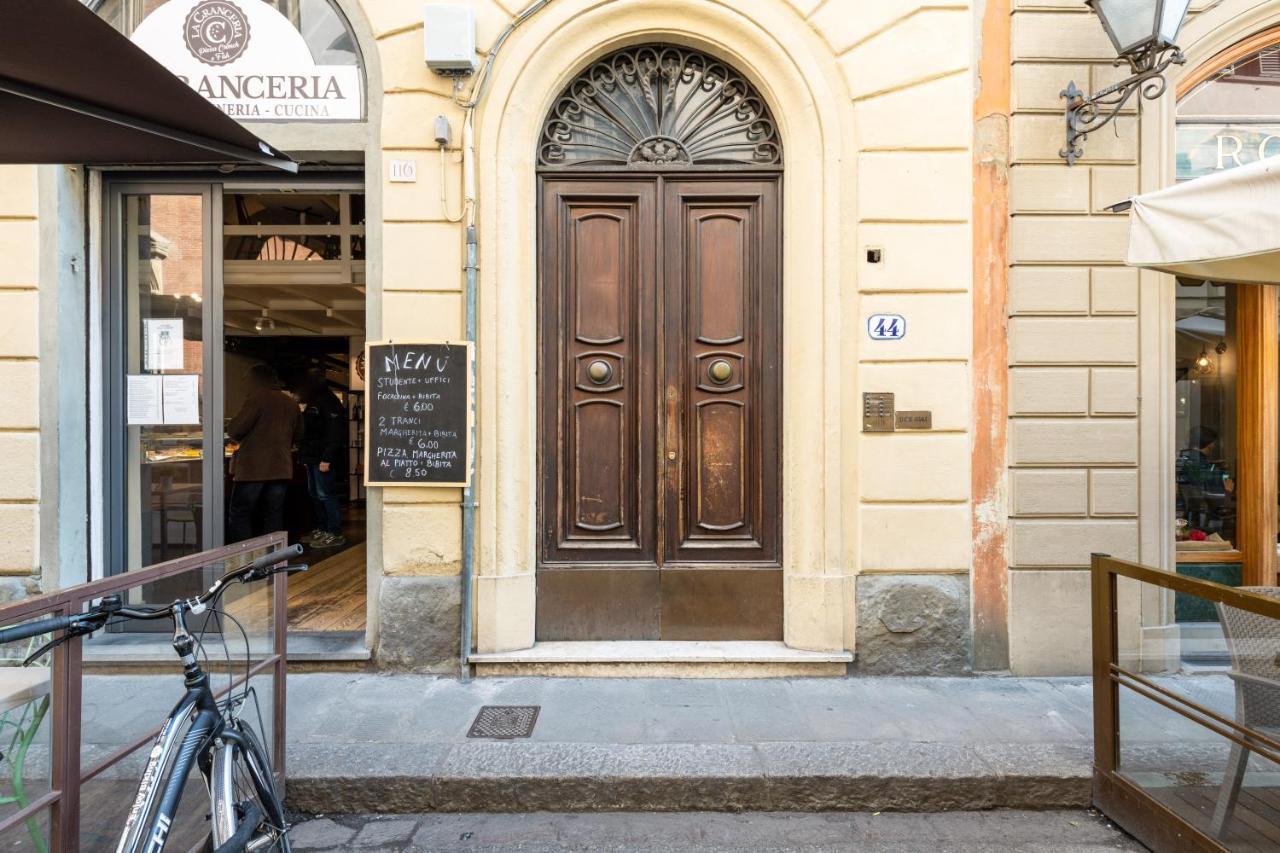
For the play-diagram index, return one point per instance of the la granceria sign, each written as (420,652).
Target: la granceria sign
(249,61)
(1208,147)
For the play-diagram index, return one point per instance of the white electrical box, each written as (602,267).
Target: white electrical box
(449,38)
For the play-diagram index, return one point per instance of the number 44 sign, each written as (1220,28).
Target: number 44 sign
(886,327)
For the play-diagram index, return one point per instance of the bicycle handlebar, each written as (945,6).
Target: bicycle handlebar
(36,628)
(266,561)
(62,623)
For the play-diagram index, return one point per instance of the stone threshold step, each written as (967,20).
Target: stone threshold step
(660,651)
(573,777)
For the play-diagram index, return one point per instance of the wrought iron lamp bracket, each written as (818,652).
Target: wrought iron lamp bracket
(1087,114)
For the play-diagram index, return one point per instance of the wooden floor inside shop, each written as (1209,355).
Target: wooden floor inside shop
(330,595)
(1253,826)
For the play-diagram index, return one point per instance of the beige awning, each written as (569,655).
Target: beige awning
(1224,227)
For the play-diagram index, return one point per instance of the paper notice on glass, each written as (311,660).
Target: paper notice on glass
(162,349)
(142,404)
(181,395)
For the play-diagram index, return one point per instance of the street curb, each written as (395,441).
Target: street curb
(574,777)
(392,795)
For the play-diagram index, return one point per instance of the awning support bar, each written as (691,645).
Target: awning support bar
(269,157)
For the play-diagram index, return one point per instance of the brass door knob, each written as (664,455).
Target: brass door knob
(599,372)
(719,371)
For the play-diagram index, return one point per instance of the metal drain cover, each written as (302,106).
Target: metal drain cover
(505,721)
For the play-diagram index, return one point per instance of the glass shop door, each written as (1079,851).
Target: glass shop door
(165,460)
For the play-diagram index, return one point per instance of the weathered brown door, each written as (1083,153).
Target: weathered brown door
(660,401)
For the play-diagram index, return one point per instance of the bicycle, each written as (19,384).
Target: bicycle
(246,813)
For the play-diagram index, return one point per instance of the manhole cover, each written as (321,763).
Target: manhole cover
(505,721)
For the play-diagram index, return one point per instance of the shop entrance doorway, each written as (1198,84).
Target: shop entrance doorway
(213,288)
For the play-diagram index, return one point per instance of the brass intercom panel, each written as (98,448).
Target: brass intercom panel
(877,411)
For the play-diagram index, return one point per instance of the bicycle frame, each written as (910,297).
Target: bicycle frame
(185,736)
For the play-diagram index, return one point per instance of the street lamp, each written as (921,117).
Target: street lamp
(1143,33)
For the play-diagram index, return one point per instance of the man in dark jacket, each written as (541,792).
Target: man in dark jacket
(266,426)
(323,446)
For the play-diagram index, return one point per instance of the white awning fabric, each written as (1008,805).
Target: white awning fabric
(1224,227)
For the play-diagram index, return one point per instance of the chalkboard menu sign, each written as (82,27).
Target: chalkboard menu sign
(417,420)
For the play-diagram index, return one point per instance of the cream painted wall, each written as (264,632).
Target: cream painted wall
(878,156)
(848,108)
(19,382)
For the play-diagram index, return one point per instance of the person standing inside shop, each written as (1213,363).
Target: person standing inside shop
(266,426)
(322,449)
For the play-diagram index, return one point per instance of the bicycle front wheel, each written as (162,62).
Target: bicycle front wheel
(246,806)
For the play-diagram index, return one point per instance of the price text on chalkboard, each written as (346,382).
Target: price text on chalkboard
(417,423)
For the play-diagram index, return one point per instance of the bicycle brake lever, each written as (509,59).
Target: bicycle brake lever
(38,653)
(78,630)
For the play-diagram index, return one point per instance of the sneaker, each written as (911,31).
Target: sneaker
(312,536)
(329,540)
(320,539)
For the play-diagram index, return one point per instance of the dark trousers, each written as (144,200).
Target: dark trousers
(324,495)
(256,507)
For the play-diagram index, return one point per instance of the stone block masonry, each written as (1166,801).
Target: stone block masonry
(1074,343)
(19,379)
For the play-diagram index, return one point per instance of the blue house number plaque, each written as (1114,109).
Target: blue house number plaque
(887,327)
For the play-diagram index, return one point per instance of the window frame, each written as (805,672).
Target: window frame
(1257,324)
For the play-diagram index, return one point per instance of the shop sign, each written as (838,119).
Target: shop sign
(248,60)
(1205,148)
(418,415)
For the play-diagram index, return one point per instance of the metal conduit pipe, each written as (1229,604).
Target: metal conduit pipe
(472,272)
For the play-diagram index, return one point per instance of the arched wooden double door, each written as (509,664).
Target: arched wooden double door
(659,355)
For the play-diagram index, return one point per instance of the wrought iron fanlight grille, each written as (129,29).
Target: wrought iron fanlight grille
(659,106)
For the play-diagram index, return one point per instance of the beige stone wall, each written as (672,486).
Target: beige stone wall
(19,381)
(878,157)
(1073,341)
(910,154)
(1089,384)
(914,132)
(422,256)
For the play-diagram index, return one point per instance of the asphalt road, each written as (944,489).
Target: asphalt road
(946,832)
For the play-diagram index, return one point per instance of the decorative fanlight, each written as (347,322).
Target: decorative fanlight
(1143,33)
(659,106)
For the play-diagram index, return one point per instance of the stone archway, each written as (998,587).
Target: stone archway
(784,58)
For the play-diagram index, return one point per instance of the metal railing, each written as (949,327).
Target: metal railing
(62,802)
(1172,814)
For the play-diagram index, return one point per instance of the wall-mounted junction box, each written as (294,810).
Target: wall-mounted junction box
(449,39)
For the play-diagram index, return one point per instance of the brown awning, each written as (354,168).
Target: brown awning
(73,90)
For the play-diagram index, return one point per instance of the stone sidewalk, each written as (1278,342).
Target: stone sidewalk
(397,743)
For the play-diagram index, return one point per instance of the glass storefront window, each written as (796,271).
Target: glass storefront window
(293,227)
(1223,479)
(1205,416)
(1231,118)
(163,287)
